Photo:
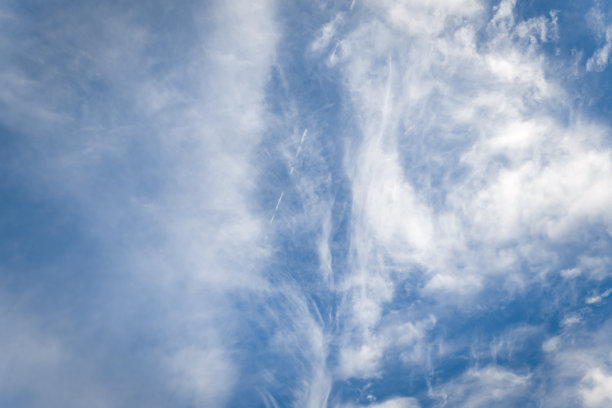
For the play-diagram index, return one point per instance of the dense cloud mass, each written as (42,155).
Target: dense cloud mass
(384,203)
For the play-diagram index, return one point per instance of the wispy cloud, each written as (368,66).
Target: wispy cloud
(484,387)
(463,171)
(154,153)
(599,60)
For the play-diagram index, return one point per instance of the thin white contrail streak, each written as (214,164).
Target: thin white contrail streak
(297,154)
(301,143)
(277,204)
(299,149)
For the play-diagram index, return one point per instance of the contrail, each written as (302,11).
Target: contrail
(297,154)
(301,143)
(277,204)
(299,149)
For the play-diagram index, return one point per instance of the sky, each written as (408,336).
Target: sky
(273,203)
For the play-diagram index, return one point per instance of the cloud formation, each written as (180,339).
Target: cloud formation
(368,203)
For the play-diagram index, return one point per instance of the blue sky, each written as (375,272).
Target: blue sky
(385,203)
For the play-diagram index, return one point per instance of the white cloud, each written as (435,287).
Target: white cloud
(424,18)
(598,298)
(103,121)
(390,403)
(599,60)
(362,352)
(462,170)
(326,34)
(39,367)
(303,339)
(578,371)
(596,388)
(483,387)
(205,376)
